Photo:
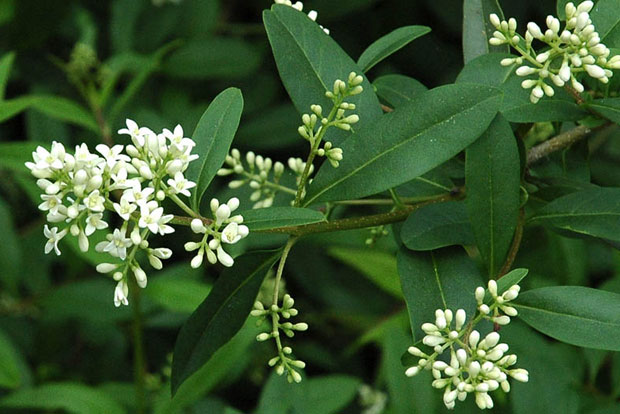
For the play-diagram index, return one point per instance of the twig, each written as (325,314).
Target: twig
(559,142)
(516,243)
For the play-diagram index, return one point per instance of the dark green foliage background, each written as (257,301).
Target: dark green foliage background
(65,348)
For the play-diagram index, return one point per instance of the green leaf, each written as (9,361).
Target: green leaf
(12,107)
(309,61)
(124,17)
(145,67)
(380,267)
(220,316)
(223,368)
(437,225)
(10,375)
(271,218)
(398,90)
(406,395)
(55,107)
(554,370)
(213,135)
(408,142)
(6,63)
(64,110)
(507,281)
(510,279)
(66,396)
(608,107)
(389,44)
(311,396)
(11,257)
(89,300)
(606,18)
(177,295)
(213,58)
(573,314)
(492,178)
(593,212)
(439,279)
(477,28)
(516,106)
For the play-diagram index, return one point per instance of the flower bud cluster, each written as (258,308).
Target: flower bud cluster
(130,181)
(283,362)
(462,361)
(376,233)
(573,50)
(374,401)
(500,311)
(312,14)
(260,173)
(223,229)
(315,124)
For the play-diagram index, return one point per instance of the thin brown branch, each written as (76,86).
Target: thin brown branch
(360,222)
(516,243)
(341,224)
(106,135)
(561,141)
(578,99)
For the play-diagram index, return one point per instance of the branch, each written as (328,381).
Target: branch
(561,141)
(516,243)
(360,222)
(341,224)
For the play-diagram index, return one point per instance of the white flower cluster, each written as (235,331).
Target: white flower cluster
(129,181)
(283,361)
(223,229)
(572,51)
(312,14)
(475,365)
(257,175)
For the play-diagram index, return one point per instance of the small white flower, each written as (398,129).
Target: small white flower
(137,195)
(112,155)
(198,226)
(177,139)
(222,214)
(180,185)
(95,202)
(53,236)
(120,294)
(150,214)
(224,258)
(51,203)
(162,225)
(233,232)
(106,267)
(140,275)
(121,181)
(125,208)
(136,133)
(95,222)
(162,253)
(116,245)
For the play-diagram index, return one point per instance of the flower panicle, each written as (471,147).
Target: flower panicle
(283,362)
(82,189)
(460,359)
(573,51)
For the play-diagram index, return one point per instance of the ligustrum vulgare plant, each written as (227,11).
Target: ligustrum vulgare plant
(368,215)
